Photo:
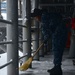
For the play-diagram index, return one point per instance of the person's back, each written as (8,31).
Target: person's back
(50,21)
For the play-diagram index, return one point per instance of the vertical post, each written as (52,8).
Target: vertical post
(65,6)
(0,11)
(12,34)
(26,8)
(0,7)
(35,36)
(41,52)
(49,45)
(19,8)
(45,48)
(72,46)
(36,33)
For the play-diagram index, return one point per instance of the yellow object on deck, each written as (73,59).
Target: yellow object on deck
(26,65)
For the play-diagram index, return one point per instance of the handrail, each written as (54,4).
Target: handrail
(10,22)
(22,26)
(21,41)
(35,39)
(5,42)
(6,21)
(12,61)
(23,56)
(10,42)
(6,64)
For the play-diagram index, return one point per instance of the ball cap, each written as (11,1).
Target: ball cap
(36,12)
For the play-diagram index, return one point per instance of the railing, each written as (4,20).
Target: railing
(10,22)
(12,61)
(10,42)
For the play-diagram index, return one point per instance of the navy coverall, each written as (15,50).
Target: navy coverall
(53,25)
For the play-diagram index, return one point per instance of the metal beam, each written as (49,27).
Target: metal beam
(26,10)
(71,4)
(12,34)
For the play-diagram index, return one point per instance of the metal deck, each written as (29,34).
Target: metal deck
(45,63)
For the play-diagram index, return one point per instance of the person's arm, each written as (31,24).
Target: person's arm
(45,27)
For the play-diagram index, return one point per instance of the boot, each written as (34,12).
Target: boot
(56,70)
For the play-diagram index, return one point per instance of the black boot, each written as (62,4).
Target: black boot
(56,70)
